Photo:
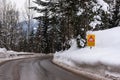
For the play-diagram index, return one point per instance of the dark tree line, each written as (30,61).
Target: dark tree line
(63,20)
(60,21)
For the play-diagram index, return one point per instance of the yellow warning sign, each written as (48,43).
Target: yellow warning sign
(91,40)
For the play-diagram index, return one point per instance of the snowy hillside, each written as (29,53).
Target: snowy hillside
(106,51)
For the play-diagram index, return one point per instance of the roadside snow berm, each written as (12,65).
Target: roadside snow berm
(103,59)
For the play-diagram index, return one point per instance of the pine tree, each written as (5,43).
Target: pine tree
(31,43)
(115,20)
(42,32)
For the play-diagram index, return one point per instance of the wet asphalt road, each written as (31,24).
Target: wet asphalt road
(35,69)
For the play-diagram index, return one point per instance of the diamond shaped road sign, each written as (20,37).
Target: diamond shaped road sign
(91,40)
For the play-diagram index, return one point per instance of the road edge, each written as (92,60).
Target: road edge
(79,71)
(43,55)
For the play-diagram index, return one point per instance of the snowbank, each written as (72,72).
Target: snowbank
(10,55)
(3,53)
(6,55)
(106,51)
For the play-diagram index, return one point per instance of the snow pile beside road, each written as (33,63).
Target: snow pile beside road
(10,55)
(13,55)
(106,52)
(3,52)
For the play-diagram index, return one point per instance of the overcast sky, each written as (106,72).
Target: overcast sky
(19,3)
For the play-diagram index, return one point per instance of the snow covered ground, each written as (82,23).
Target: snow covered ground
(106,52)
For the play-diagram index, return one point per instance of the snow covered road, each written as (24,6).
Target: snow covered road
(35,69)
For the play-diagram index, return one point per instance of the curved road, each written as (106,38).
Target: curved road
(35,69)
